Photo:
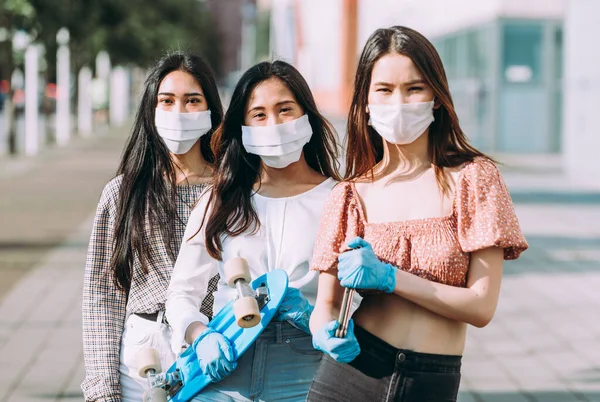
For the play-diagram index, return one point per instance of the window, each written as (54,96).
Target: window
(522,47)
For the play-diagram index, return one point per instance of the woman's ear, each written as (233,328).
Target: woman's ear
(436,103)
(367,109)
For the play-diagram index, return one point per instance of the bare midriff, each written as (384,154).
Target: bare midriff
(406,325)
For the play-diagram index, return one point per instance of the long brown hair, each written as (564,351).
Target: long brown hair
(148,191)
(232,212)
(448,145)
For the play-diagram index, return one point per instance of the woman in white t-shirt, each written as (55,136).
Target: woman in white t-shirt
(276,165)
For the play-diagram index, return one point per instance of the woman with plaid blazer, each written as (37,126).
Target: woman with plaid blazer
(140,222)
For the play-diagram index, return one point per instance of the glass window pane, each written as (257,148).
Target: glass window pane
(522,53)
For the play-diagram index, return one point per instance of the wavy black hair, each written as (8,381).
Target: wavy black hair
(231,209)
(147,194)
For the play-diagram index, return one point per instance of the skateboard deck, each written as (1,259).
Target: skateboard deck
(186,370)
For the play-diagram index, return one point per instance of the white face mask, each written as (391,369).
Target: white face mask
(180,131)
(279,145)
(401,123)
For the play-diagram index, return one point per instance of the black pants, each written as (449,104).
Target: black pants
(384,373)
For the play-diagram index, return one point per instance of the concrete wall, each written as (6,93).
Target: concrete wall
(581,131)
(437,17)
(283,31)
(319,38)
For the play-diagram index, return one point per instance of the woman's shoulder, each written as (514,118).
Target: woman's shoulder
(110,193)
(341,196)
(479,171)
(343,187)
(479,165)
(114,185)
(337,191)
(202,204)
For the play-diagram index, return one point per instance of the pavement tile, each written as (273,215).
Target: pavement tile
(467,397)
(588,350)
(18,355)
(15,307)
(494,390)
(72,389)
(527,369)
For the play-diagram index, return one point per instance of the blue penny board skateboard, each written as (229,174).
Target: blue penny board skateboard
(189,380)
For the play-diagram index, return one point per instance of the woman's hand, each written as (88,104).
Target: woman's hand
(360,268)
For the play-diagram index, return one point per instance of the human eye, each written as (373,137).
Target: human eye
(382,89)
(194,100)
(415,88)
(165,101)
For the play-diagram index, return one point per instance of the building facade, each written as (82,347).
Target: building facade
(522,73)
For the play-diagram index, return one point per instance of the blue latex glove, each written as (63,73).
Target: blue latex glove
(343,350)
(360,268)
(295,308)
(215,354)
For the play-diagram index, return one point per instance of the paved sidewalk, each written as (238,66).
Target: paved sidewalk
(544,342)
(44,198)
(542,346)
(47,206)
(40,328)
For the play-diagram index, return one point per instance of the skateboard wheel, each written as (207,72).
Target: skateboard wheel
(236,268)
(247,313)
(147,359)
(155,395)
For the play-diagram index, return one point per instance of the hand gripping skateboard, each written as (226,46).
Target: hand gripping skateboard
(241,321)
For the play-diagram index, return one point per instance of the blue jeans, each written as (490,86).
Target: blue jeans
(279,366)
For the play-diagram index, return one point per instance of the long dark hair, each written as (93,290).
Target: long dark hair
(448,144)
(148,190)
(232,212)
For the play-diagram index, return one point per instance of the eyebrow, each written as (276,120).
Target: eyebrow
(186,94)
(412,82)
(277,104)
(417,81)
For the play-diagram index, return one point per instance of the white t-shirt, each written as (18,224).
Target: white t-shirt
(285,240)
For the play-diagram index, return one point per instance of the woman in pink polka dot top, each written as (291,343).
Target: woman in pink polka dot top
(420,227)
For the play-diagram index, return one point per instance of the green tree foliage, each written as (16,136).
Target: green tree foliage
(133,32)
(14,15)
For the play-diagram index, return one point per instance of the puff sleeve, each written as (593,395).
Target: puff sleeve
(340,223)
(485,211)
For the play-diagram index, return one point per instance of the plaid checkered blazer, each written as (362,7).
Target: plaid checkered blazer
(105,307)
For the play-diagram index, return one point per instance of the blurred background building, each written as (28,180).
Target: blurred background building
(521,72)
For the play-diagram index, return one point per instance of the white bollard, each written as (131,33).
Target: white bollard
(3,134)
(84,102)
(32,142)
(63,87)
(119,97)
(102,65)
(101,87)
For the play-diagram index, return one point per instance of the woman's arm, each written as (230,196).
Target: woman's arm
(475,304)
(103,307)
(193,270)
(329,301)
(360,268)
